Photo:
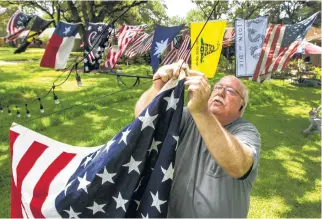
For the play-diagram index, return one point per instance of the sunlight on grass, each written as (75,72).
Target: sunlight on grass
(267,207)
(312,196)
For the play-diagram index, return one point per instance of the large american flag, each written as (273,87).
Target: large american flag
(16,25)
(280,44)
(129,176)
(176,54)
(126,35)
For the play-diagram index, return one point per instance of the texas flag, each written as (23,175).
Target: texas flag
(60,46)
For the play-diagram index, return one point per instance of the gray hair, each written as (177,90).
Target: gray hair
(246,97)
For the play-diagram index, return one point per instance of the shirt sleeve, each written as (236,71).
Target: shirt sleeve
(248,136)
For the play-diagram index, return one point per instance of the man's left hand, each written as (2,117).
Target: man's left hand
(198,91)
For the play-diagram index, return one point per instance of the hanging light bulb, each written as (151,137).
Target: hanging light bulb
(27,111)
(9,111)
(18,113)
(79,81)
(115,43)
(1,110)
(42,110)
(55,96)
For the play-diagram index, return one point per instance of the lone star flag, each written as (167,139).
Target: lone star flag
(129,176)
(60,46)
(280,44)
(16,25)
(206,52)
(37,27)
(95,40)
(162,37)
(250,35)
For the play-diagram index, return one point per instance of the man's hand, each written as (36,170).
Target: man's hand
(198,91)
(166,72)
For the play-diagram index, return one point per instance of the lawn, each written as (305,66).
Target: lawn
(289,180)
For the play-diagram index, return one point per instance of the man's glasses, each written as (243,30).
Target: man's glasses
(228,90)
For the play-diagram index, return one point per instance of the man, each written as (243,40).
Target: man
(218,152)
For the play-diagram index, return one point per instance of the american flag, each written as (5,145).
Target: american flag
(125,36)
(16,25)
(133,48)
(184,51)
(176,54)
(146,44)
(280,44)
(229,37)
(129,176)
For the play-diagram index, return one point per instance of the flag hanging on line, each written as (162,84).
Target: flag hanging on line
(95,40)
(36,29)
(146,44)
(206,52)
(184,51)
(126,35)
(130,176)
(280,44)
(132,50)
(172,50)
(16,25)
(162,38)
(60,46)
(250,35)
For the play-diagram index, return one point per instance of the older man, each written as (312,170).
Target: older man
(218,152)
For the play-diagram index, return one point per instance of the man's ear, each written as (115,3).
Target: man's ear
(241,107)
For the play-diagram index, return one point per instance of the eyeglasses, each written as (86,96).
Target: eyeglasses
(228,90)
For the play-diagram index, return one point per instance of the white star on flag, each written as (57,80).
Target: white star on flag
(106,176)
(156,201)
(97,208)
(99,28)
(88,159)
(172,102)
(108,145)
(147,215)
(177,139)
(133,165)
(147,120)
(120,202)
(124,136)
(83,183)
(67,29)
(72,213)
(138,204)
(154,146)
(168,174)
(161,47)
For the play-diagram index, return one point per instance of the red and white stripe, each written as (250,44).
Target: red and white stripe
(184,50)
(124,40)
(132,50)
(170,57)
(41,168)
(273,57)
(147,46)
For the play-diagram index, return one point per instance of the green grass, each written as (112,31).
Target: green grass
(289,180)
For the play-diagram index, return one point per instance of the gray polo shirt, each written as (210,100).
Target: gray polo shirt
(201,188)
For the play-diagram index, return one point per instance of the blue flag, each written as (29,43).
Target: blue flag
(130,176)
(162,38)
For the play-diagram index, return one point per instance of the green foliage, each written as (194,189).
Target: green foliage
(318,72)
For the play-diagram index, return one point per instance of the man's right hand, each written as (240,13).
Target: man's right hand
(166,72)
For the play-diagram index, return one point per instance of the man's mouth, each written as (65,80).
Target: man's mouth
(219,100)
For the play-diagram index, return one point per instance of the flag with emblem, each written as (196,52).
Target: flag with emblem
(280,44)
(206,52)
(60,46)
(129,176)
(162,38)
(38,26)
(95,40)
(250,35)
(125,36)
(16,25)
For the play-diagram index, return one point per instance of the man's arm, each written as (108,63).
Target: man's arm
(228,152)
(145,100)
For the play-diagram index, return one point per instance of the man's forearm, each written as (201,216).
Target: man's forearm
(223,147)
(145,100)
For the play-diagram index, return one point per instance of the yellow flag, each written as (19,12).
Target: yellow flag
(206,52)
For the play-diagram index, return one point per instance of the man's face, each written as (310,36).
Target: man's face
(226,98)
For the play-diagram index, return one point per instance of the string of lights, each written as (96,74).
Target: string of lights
(79,81)
(74,67)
